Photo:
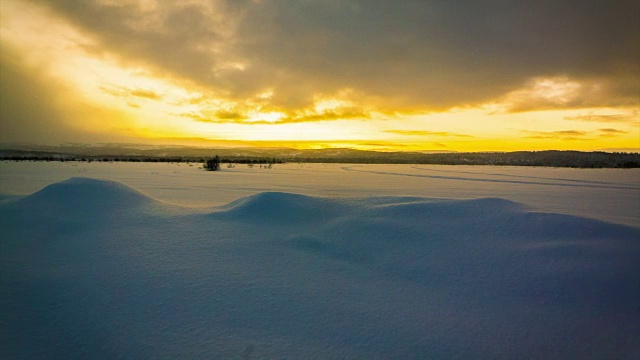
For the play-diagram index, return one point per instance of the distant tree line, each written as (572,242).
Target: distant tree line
(552,158)
(154,159)
(573,159)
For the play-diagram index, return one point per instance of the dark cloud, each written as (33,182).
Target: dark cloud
(174,37)
(397,54)
(436,53)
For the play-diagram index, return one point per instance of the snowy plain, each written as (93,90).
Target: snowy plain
(303,261)
(606,194)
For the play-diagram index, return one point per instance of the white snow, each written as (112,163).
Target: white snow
(342,268)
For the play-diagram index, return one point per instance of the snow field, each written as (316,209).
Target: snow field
(93,268)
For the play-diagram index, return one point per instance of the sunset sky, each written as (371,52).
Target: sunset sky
(467,75)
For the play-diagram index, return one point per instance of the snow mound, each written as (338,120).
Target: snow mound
(427,239)
(280,208)
(84,197)
(428,209)
(280,275)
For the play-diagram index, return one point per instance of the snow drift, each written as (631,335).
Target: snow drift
(95,269)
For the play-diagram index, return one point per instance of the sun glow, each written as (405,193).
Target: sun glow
(262,117)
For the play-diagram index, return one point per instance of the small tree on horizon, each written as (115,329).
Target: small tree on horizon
(212,164)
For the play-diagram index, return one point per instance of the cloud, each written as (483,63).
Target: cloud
(119,91)
(404,54)
(633,118)
(338,113)
(230,115)
(572,135)
(241,114)
(273,62)
(427,133)
(199,118)
(611,132)
(558,135)
(550,93)
(146,94)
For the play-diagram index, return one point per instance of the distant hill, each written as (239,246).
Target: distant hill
(147,153)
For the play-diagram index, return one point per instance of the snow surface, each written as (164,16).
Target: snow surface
(611,195)
(93,268)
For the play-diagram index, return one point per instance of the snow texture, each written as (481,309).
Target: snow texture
(95,269)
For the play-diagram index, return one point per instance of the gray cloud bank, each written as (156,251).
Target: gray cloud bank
(397,54)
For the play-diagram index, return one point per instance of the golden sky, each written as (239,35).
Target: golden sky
(382,75)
